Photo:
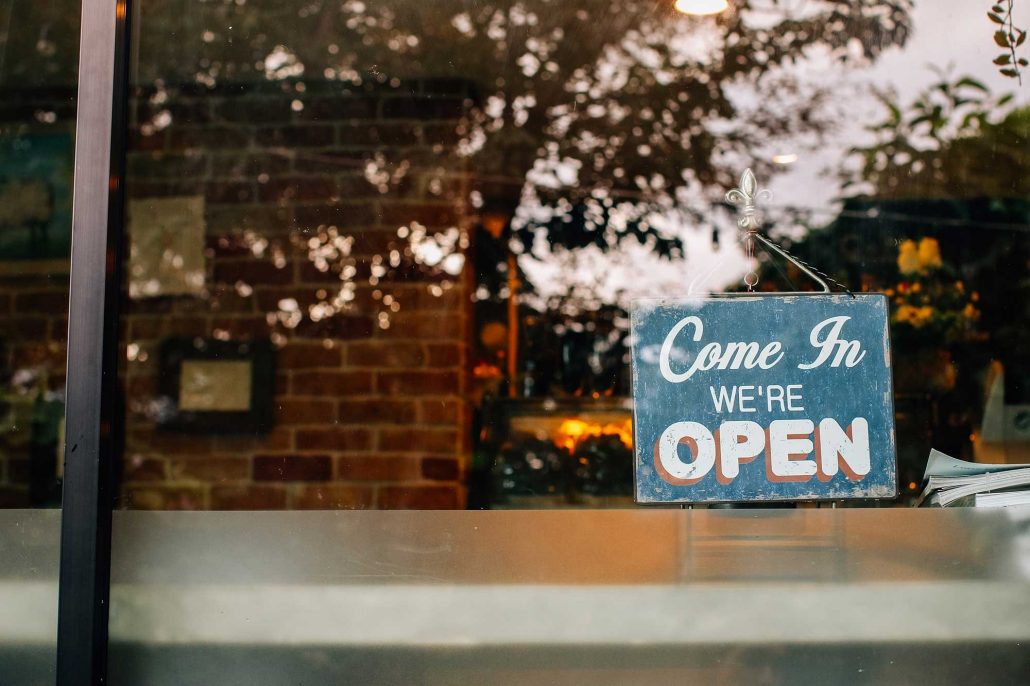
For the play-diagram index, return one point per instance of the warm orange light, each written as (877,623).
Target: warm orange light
(573,431)
(701,7)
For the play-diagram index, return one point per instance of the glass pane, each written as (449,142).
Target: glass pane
(887,596)
(39,47)
(382,253)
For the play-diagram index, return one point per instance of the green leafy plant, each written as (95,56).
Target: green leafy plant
(1008,37)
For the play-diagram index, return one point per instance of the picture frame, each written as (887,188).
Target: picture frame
(217,387)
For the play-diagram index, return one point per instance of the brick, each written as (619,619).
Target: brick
(162,498)
(441,412)
(377,468)
(422,108)
(333,162)
(140,468)
(440,469)
(167,442)
(364,135)
(303,356)
(249,497)
(338,326)
(210,468)
(314,135)
(155,141)
(332,497)
(298,188)
(343,215)
(330,383)
(444,354)
(376,411)
(423,326)
(385,354)
(341,107)
(170,166)
(209,137)
(222,192)
(254,272)
(268,299)
(252,109)
(249,165)
(294,411)
(419,440)
(41,301)
(431,215)
(292,468)
(334,438)
(419,383)
(280,438)
(418,498)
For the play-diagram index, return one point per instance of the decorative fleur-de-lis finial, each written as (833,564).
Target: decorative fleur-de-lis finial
(745,197)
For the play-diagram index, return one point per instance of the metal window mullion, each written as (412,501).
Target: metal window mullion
(92,419)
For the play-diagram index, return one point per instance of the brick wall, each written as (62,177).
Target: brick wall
(33,304)
(370,402)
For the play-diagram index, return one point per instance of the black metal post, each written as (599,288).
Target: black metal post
(91,416)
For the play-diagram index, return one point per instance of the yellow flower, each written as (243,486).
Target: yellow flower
(971,312)
(923,315)
(906,314)
(916,287)
(908,257)
(929,254)
(975,297)
(889,292)
(960,287)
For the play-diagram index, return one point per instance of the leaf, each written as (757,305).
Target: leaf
(1004,58)
(997,8)
(1020,38)
(1005,99)
(972,83)
(995,18)
(1022,62)
(1001,39)
(1010,72)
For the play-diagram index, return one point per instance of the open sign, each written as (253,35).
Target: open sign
(763,398)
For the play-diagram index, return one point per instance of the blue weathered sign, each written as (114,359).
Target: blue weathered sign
(760,398)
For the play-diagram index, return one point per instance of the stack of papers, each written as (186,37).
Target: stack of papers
(949,481)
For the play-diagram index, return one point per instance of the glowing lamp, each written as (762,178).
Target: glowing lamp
(701,7)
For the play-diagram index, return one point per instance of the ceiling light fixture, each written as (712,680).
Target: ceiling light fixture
(701,8)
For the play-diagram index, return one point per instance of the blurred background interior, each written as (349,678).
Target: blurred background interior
(381,254)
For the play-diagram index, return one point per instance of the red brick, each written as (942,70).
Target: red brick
(341,215)
(208,137)
(383,354)
(423,326)
(248,497)
(339,327)
(444,354)
(292,468)
(230,192)
(300,356)
(278,439)
(332,497)
(418,498)
(399,214)
(331,383)
(419,383)
(38,302)
(441,412)
(140,468)
(440,469)
(314,135)
(168,442)
(334,438)
(419,440)
(299,188)
(377,468)
(292,411)
(210,468)
(376,411)
(254,272)
(249,166)
(162,498)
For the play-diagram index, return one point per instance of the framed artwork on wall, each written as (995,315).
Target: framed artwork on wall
(220,387)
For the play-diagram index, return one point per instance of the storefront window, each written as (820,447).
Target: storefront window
(381,254)
(39,46)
